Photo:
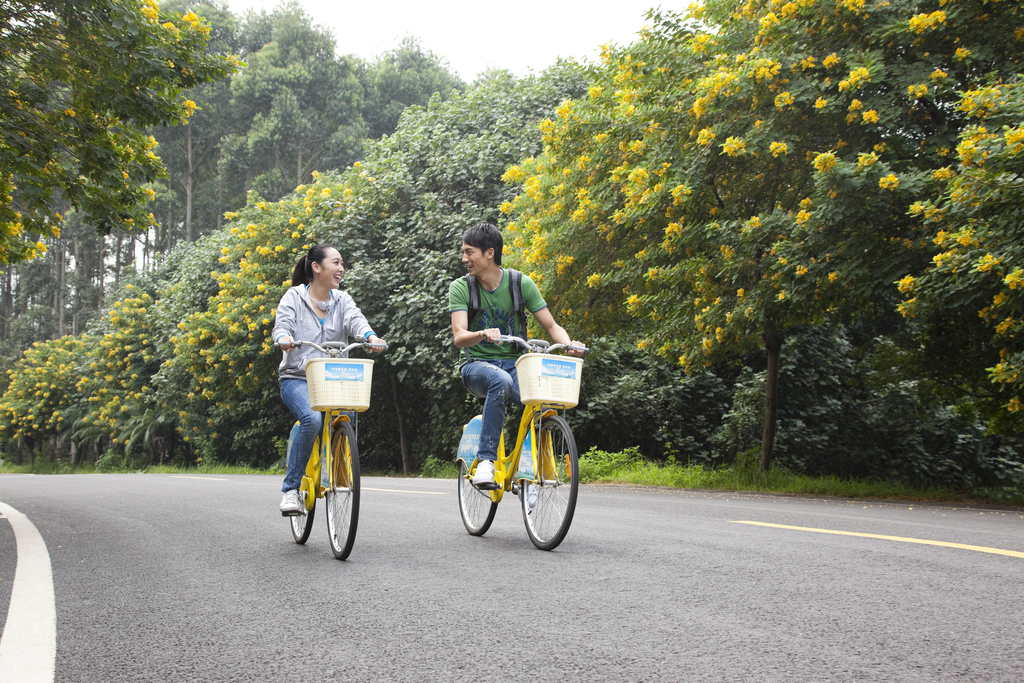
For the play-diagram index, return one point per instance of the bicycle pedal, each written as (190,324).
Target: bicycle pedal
(490,486)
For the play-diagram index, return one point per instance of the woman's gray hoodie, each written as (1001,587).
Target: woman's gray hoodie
(296,318)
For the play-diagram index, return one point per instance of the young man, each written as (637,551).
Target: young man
(490,368)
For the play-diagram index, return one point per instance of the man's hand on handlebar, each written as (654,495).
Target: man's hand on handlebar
(376,344)
(576,348)
(285,343)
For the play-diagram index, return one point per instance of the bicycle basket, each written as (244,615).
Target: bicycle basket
(339,383)
(551,380)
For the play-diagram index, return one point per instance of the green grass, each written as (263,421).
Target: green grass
(630,467)
(48,467)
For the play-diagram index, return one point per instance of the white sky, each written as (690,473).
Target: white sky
(521,35)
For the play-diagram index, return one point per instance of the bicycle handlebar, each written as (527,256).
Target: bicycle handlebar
(336,347)
(539,345)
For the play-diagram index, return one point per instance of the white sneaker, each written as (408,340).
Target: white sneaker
(531,497)
(484,475)
(290,505)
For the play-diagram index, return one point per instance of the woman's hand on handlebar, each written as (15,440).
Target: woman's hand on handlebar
(376,344)
(576,348)
(285,343)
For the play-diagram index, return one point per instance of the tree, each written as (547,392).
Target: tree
(400,78)
(78,82)
(976,278)
(294,109)
(191,152)
(749,169)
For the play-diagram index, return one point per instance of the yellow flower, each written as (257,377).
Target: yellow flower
(962,53)
(831,60)
(865,160)
(922,22)
(987,263)
(734,146)
(855,105)
(778,148)
(802,217)
(889,182)
(783,99)
(833,276)
(705,137)
(820,103)
(944,174)
(917,91)
(825,161)
(906,285)
(937,75)
(871,116)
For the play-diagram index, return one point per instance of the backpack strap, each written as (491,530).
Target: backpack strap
(515,284)
(474,307)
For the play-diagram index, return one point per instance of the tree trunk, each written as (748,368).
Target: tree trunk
(402,440)
(773,346)
(73,453)
(61,280)
(189,162)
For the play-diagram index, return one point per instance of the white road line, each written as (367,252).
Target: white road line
(28,648)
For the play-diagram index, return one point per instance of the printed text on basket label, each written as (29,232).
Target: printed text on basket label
(558,368)
(343,372)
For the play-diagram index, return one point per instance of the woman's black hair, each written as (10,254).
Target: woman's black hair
(485,236)
(303,272)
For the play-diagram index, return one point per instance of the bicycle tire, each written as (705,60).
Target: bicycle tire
(475,505)
(341,472)
(557,485)
(302,524)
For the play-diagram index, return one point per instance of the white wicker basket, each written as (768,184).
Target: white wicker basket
(339,383)
(551,380)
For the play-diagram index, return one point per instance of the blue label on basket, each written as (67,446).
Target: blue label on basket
(557,368)
(343,372)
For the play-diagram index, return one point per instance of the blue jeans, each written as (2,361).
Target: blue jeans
(295,395)
(495,381)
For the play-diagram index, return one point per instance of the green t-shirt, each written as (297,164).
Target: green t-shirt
(495,311)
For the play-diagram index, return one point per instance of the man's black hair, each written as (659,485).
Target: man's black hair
(485,236)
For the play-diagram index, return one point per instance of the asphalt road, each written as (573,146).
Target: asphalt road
(173,578)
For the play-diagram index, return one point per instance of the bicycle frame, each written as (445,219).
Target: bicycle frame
(311,484)
(510,468)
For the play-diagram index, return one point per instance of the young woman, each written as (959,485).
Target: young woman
(313,309)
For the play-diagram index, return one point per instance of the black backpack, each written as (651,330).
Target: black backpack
(515,286)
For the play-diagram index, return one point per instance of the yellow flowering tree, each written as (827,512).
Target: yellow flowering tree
(78,82)
(116,377)
(748,168)
(42,399)
(975,283)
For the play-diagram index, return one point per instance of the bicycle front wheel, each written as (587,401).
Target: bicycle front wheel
(302,524)
(475,506)
(549,502)
(342,493)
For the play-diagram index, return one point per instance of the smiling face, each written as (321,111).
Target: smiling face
(329,271)
(475,259)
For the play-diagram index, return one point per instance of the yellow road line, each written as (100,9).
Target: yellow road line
(902,539)
(426,493)
(182,476)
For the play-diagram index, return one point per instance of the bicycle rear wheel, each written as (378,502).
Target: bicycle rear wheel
(549,503)
(341,473)
(302,524)
(475,506)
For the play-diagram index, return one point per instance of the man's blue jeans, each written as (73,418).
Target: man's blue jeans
(495,381)
(295,395)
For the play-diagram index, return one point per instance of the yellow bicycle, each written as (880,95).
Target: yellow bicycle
(543,468)
(338,387)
